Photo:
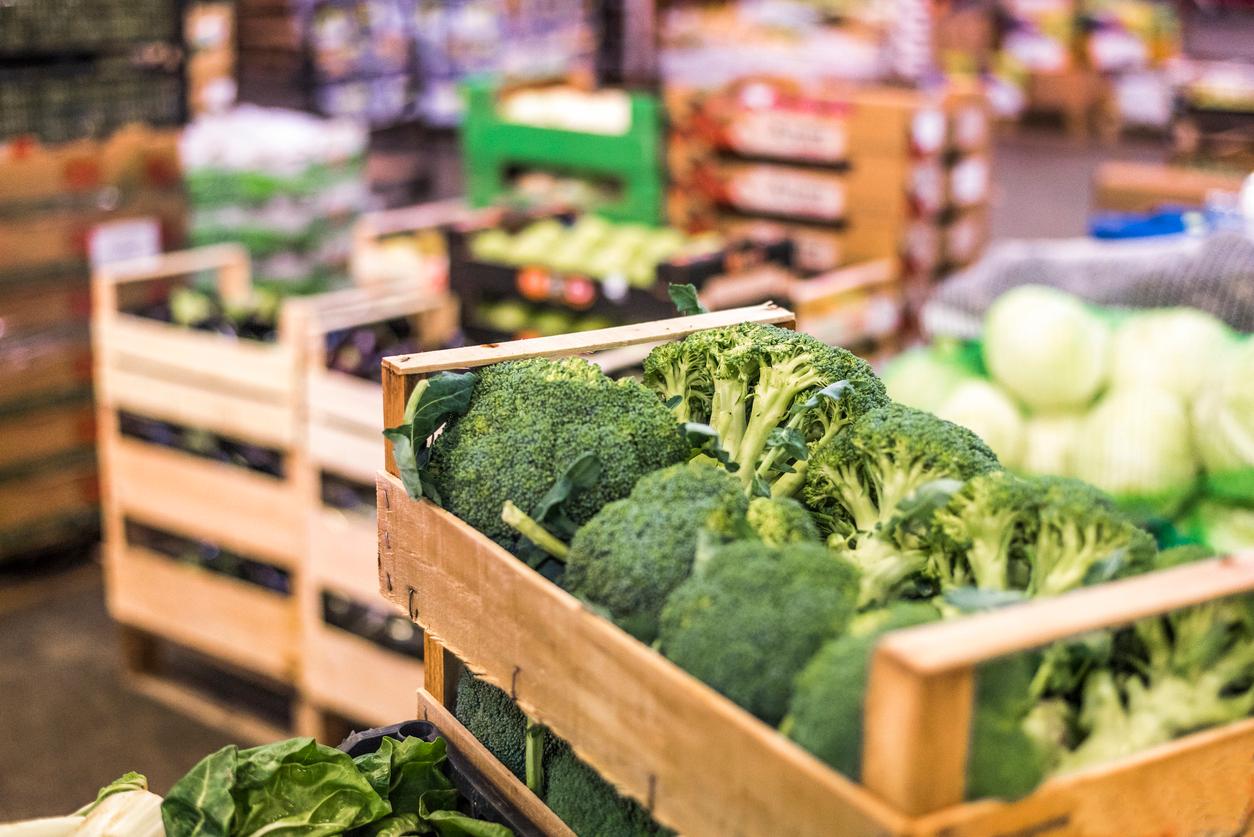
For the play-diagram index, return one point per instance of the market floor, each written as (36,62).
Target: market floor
(67,722)
(68,725)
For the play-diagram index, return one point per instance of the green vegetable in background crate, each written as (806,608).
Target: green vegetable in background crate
(1170,348)
(983,408)
(1223,425)
(1046,348)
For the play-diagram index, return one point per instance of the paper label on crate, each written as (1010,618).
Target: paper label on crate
(789,135)
(782,191)
(116,241)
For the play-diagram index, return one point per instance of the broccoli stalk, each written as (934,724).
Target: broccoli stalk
(526,526)
(1194,669)
(534,756)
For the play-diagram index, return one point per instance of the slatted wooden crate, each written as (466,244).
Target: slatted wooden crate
(703,765)
(241,389)
(340,672)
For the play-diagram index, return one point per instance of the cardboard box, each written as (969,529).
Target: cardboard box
(91,172)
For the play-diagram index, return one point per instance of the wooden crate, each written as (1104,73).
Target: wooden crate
(242,389)
(703,765)
(340,672)
(46,429)
(422,228)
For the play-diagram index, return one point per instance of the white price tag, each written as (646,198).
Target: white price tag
(116,241)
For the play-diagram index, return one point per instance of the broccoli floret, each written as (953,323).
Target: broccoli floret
(528,421)
(867,484)
(778,521)
(635,551)
(589,805)
(752,616)
(1082,538)
(495,720)
(986,528)
(772,395)
(1185,553)
(825,716)
(1188,670)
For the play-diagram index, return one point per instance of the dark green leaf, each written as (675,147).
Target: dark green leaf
(834,391)
(759,487)
(200,804)
(704,439)
(581,474)
(435,400)
(673,402)
(397,825)
(686,300)
(790,440)
(452,824)
(972,600)
(376,767)
(925,499)
(301,786)
(406,461)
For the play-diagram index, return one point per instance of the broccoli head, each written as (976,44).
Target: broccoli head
(589,805)
(529,420)
(495,720)
(1082,538)
(1007,758)
(772,395)
(825,715)
(1188,670)
(634,552)
(985,530)
(751,617)
(778,521)
(874,488)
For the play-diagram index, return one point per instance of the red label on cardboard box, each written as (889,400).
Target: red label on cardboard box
(777,190)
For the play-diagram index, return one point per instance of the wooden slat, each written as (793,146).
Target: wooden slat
(652,730)
(32,435)
(224,617)
(47,494)
(241,725)
(514,791)
(229,260)
(221,411)
(917,726)
(264,371)
(356,678)
(585,342)
(963,643)
(254,514)
(344,452)
(1198,785)
(347,400)
(343,554)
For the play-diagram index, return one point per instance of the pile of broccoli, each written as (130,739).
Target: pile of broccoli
(760,512)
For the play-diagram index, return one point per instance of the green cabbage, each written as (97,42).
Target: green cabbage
(1046,348)
(922,378)
(1168,348)
(1136,445)
(989,413)
(1223,527)
(1047,445)
(1223,426)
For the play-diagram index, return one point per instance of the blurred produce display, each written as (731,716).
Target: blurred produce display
(518,41)
(611,138)
(253,318)
(372,623)
(202,443)
(285,184)
(62,207)
(209,33)
(1151,405)
(358,351)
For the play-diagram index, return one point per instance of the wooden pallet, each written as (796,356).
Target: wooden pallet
(242,389)
(340,672)
(703,765)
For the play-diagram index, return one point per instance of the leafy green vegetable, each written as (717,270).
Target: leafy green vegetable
(686,300)
(434,401)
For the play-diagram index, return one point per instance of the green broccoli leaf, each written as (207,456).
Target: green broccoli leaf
(704,439)
(835,391)
(686,300)
(792,441)
(1110,567)
(583,473)
(433,402)
(974,600)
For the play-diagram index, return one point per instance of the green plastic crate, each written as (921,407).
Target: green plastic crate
(490,146)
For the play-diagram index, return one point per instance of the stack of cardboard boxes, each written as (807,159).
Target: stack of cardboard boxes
(60,207)
(851,175)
